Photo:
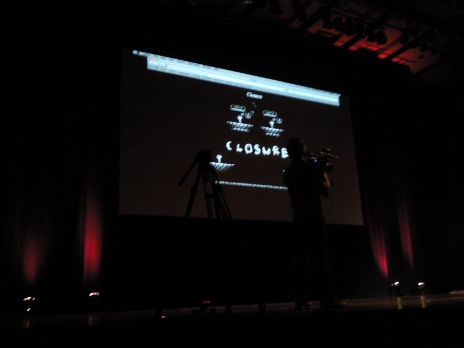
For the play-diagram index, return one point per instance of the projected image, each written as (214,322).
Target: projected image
(244,115)
(172,110)
(252,137)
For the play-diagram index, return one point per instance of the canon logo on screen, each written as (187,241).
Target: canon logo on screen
(252,95)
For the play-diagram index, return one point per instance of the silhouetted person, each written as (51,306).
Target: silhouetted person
(307,182)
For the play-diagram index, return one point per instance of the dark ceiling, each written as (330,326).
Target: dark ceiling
(420,34)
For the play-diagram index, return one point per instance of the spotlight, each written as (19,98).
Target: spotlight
(371,36)
(421,293)
(328,23)
(349,27)
(28,303)
(94,299)
(358,27)
(421,288)
(381,38)
(338,24)
(404,38)
(395,289)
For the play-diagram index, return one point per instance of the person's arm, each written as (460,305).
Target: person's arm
(327,185)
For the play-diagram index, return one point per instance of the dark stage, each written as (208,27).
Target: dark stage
(406,321)
(63,235)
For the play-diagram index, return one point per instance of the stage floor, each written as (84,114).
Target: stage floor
(411,321)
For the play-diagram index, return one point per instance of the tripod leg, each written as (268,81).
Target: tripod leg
(214,196)
(220,204)
(208,196)
(193,191)
(224,208)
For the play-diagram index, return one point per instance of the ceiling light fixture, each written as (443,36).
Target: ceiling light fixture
(404,38)
(299,10)
(338,24)
(349,27)
(371,36)
(381,38)
(327,20)
(424,46)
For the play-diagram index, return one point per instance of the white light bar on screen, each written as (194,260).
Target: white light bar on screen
(236,79)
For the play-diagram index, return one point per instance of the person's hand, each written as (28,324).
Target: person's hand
(328,182)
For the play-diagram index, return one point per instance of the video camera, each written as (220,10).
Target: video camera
(322,159)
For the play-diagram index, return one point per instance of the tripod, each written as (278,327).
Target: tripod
(216,205)
(212,190)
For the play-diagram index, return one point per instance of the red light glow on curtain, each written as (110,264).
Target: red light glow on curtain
(31,236)
(33,255)
(378,240)
(92,235)
(92,243)
(379,248)
(405,232)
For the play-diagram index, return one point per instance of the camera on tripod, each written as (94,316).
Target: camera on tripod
(203,157)
(321,159)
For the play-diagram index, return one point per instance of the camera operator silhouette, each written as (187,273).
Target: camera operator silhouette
(308,182)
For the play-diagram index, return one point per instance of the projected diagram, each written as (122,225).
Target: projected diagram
(244,117)
(219,166)
(257,124)
(271,130)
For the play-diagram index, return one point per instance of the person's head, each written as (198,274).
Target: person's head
(296,147)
